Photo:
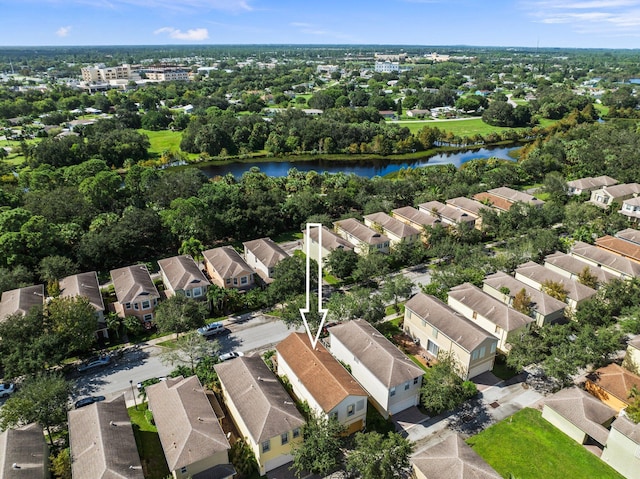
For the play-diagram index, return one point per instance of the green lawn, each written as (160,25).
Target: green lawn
(148,442)
(163,140)
(529,447)
(463,127)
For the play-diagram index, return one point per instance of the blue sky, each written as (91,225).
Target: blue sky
(547,23)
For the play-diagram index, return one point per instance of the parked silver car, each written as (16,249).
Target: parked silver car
(6,389)
(95,363)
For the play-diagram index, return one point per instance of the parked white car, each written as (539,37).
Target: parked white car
(231,355)
(211,329)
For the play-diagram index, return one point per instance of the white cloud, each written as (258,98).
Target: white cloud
(604,17)
(193,34)
(63,31)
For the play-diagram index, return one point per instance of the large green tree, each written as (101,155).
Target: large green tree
(320,452)
(190,350)
(179,314)
(380,457)
(42,399)
(442,387)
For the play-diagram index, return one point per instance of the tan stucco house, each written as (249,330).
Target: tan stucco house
(492,315)
(192,439)
(227,269)
(364,239)
(441,329)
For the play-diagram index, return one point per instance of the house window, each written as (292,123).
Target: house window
(127,306)
(493,348)
(284,438)
(351,409)
(147,317)
(415,380)
(187,293)
(146,304)
(266,446)
(228,280)
(296,432)
(360,405)
(474,355)
(136,306)
(434,333)
(235,281)
(244,280)
(432,348)
(183,470)
(406,385)
(392,391)
(483,351)
(196,292)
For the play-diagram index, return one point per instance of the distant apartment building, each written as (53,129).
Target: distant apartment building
(103,74)
(167,74)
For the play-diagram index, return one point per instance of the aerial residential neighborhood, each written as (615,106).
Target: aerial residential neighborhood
(227,259)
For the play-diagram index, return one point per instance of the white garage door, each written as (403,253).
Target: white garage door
(277,462)
(402,405)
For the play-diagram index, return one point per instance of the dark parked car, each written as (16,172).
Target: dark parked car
(95,363)
(88,400)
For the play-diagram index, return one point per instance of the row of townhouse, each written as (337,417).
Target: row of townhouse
(265,414)
(476,322)
(136,293)
(380,231)
(595,416)
(604,191)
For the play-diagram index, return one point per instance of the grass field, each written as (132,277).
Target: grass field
(163,140)
(148,442)
(462,127)
(529,447)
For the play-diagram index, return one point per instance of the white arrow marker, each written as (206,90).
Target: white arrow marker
(305,310)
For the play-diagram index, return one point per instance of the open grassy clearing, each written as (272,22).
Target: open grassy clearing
(528,447)
(461,127)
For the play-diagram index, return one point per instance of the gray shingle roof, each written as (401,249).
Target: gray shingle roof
(264,406)
(102,442)
(328,382)
(375,352)
(188,428)
(133,283)
(515,195)
(630,235)
(539,274)
(415,216)
(450,323)
(467,204)
(453,459)
(487,306)
(627,427)
(622,190)
(182,273)
(227,262)
(451,213)
(575,266)
(361,232)
(583,411)
(540,302)
(266,251)
(84,285)
(605,258)
(590,183)
(21,300)
(330,240)
(393,225)
(24,446)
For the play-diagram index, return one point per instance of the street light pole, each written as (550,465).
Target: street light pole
(134,394)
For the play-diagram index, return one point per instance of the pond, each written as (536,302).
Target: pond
(366,168)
